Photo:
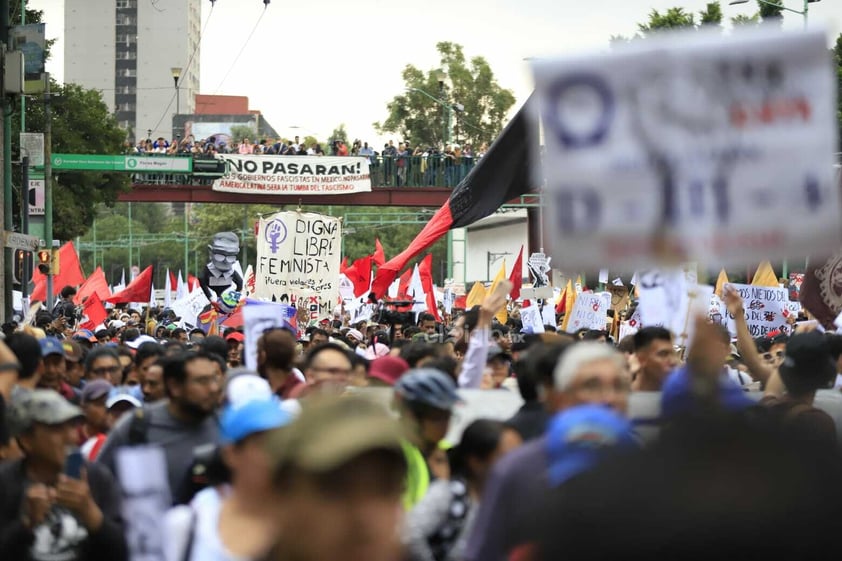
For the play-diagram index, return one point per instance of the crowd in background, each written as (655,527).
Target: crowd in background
(300,458)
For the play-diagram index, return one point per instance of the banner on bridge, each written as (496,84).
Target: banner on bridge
(302,175)
(298,261)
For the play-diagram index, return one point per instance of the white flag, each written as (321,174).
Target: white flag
(181,290)
(168,290)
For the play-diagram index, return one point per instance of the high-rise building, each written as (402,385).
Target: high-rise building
(128,49)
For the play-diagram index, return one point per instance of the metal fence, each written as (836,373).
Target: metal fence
(386,171)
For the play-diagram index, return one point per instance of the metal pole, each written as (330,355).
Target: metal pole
(186,237)
(94,228)
(131,241)
(806,8)
(8,208)
(48,184)
(24,226)
(245,237)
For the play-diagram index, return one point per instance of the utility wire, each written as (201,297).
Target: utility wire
(243,48)
(189,61)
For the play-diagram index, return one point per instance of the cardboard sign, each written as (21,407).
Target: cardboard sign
(589,312)
(277,175)
(766,309)
(696,146)
(257,318)
(298,261)
(531,319)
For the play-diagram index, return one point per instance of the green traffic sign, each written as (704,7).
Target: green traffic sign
(132,164)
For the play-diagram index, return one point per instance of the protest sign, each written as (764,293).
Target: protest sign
(716,141)
(661,292)
(257,318)
(589,312)
(625,330)
(766,309)
(548,314)
(303,175)
(298,261)
(794,285)
(531,319)
(619,297)
(189,307)
(142,474)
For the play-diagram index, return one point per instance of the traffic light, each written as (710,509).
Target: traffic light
(54,263)
(17,270)
(44,260)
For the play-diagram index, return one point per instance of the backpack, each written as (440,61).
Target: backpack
(207,467)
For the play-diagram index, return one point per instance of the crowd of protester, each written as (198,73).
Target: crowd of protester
(394,165)
(297,461)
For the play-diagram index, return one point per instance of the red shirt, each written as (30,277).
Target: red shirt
(285,391)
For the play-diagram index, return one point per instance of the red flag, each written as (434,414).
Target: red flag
(516,277)
(461,302)
(94,310)
(69,274)
(192,282)
(359,273)
(344,265)
(173,281)
(403,285)
(95,284)
(139,290)
(425,271)
(379,254)
(503,174)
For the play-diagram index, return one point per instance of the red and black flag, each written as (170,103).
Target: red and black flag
(504,173)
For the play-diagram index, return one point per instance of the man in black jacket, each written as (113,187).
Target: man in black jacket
(45,514)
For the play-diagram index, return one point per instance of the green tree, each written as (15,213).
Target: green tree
(456,83)
(81,125)
(711,15)
(743,20)
(673,18)
(241,132)
(339,133)
(769,12)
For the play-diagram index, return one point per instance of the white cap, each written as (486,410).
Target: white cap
(247,387)
(117,324)
(141,340)
(116,398)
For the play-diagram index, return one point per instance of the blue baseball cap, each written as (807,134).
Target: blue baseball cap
(577,438)
(51,346)
(677,394)
(246,418)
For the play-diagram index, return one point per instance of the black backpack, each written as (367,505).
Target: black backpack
(206,469)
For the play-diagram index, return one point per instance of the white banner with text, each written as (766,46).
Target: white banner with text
(301,175)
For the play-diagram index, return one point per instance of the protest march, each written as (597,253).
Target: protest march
(659,373)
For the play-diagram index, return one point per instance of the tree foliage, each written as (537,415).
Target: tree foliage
(81,125)
(421,119)
(241,132)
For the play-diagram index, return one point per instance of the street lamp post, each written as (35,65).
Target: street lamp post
(802,13)
(176,74)
(448,107)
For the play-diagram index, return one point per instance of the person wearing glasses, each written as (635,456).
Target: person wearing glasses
(183,422)
(220,272)
(103,363)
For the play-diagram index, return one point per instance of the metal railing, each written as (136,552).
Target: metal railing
(386,171)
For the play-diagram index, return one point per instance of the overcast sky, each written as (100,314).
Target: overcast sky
(316,64)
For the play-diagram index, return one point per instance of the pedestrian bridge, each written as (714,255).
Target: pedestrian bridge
(422,182)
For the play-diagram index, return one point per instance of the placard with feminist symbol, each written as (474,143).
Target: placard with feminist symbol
(298,257)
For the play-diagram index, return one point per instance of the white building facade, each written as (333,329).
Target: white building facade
(126,49)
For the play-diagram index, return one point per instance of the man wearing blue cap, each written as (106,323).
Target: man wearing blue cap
(233,521)
(53,368)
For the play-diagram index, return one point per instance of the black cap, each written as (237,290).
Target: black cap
(808,364)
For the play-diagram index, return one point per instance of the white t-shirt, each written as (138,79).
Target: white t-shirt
(206,543)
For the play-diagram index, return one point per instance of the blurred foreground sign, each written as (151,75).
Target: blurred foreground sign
(691,147)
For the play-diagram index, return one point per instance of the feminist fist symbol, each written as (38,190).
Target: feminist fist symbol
(276,233)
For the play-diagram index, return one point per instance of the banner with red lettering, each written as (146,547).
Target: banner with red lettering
(298,256)
(304,175)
